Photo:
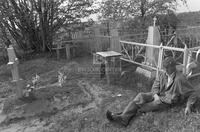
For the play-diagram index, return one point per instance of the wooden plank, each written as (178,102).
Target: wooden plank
(154,68)
(108,54)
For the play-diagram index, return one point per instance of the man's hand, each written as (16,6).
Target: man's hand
(188,110)
(156,97)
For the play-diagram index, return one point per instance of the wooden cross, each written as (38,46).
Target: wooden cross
(154,21)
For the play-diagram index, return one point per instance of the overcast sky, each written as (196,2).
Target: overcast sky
(193,5)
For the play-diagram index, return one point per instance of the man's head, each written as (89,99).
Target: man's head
(169,65)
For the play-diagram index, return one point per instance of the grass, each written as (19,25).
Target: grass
(105,97)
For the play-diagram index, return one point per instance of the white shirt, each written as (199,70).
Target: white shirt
(170,78)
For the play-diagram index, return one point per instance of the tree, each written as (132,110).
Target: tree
(168,20)
(5,36)
(33,23)
(120,10)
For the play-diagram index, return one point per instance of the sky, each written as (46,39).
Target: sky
(192,5)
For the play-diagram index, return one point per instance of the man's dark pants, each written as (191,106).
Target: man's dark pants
(143,102)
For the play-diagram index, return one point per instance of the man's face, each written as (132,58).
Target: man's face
(167,70)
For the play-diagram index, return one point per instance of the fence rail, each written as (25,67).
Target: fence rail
(161,49)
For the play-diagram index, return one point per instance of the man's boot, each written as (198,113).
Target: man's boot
(116,117)
(125,117)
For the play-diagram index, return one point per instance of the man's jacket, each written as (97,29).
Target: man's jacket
(177,91)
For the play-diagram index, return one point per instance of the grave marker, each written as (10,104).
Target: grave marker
(115,45)
(13,64)
(153,39)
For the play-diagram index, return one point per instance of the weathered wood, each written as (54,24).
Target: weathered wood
(67,48)
(107,68)
(108,54)
(20,84)
(160,59)
(185,59)
(112,65)
(58,53)
(13,64)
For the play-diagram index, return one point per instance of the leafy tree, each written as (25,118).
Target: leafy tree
(168,20)
(4,36)
(33,23)
(120,10)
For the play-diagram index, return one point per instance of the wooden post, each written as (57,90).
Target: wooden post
(197,55)
(160,57)
(19,91)
(58,50)
(185,59)
(68,55)
(154,21)
(133,54)
(112,65)
(13,64)
(58,53)
(74,44)
(107,66)
(117,68)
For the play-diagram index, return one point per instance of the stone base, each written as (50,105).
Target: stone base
(146,72)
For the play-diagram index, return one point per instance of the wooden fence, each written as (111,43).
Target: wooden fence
(95,41)
(92,43)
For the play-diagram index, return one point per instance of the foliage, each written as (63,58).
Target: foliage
(168,20)
(139,10)
(122,9)
(33,23)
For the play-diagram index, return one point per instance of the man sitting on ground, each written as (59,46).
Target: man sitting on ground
(169,89)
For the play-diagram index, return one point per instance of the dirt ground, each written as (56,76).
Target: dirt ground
(79,105)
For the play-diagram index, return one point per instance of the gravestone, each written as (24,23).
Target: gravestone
(151,54)
(97,45)
(13,65)
(115,44)
(153,39)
